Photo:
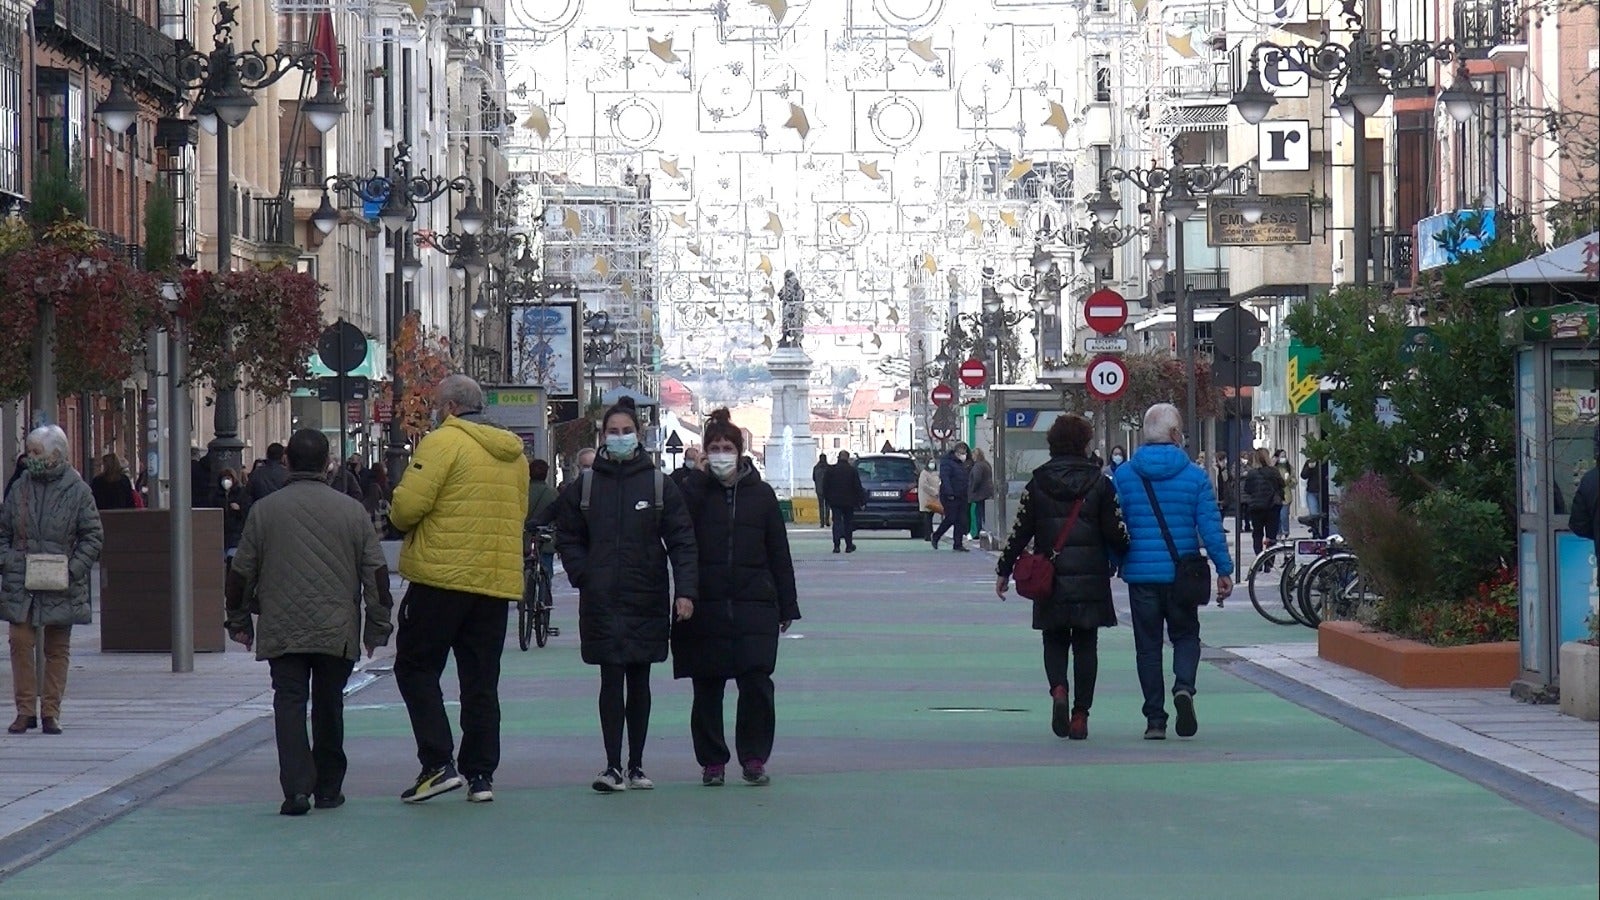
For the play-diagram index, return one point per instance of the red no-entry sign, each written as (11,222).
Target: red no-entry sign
(973,372)
(942,394)
(1105,311)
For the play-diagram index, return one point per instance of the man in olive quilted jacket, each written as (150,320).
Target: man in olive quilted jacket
(308,562)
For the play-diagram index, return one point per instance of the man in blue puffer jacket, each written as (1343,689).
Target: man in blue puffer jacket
(1190,508)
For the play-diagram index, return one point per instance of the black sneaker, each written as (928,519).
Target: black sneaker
(298,805)
(610,781)
(333,802)
(1155,733)
(432,783)
(1183,702)
(480,789)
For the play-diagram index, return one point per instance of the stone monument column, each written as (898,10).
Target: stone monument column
(791,451)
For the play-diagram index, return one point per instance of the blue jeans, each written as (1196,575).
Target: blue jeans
(1153,606)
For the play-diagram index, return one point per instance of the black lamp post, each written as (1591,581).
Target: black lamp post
(224,80)
(599,343)
(1367,68)
(1180,188)
(400,191)
(990,327)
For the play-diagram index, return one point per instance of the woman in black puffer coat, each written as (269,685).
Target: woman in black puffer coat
(616,548)
(747,596)
(1081,604)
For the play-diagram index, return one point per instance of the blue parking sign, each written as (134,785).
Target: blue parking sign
(1021,418)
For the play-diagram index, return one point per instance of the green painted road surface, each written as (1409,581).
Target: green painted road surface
(914,759)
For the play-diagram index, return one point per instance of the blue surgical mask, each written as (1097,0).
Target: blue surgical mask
(621,446)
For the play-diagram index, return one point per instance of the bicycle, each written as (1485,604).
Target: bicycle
(1271,605)
(1333,588)
(536,603)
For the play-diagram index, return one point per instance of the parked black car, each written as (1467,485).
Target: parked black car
(890,480)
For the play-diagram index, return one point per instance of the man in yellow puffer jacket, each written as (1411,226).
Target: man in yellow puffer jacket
(461,506)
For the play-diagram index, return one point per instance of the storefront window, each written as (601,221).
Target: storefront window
(1574,395)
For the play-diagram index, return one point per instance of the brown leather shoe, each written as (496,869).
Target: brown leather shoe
(22,724)
(52,725)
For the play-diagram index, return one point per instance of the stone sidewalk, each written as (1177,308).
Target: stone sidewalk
(1536,741)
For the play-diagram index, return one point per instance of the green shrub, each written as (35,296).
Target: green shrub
(1467,541)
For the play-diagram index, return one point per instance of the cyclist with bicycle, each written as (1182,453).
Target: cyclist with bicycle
(541,511)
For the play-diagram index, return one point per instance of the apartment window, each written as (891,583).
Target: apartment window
(1102,7)
(1102,161)
(1100,70)
(389,79)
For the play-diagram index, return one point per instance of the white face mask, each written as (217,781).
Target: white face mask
(227,484)
(722,464)
(621,446)
(1116,457)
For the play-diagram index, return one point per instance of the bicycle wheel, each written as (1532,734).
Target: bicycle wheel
(1323,582)
(524,613)
(1270,568)
(541,613)
(1352,600)
(1294,576)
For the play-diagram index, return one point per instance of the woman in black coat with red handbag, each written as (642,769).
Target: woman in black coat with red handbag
(1070,493)
(747,597)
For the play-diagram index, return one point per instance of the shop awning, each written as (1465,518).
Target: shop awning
(1575,262)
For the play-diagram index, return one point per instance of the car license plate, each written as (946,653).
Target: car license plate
(885,495)
(1307,550)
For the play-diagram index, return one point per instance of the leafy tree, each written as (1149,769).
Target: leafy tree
(1452,402)
(57,192)
(160,230)
(253,327)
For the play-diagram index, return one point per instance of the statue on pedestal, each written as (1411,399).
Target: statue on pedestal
(793,299)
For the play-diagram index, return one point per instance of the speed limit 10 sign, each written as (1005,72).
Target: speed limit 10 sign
(1106,378)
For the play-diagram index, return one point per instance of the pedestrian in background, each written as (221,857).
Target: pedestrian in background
(819,480)
(541,512)
(308,563)
(980,491)
(50,538)
(111,488)
(1160,475)
(583,462)
(1119,456)
(231,495)
(1315,474)
(955,482)
(272,474)
(845,495)
(747,597)
(461,505)
(1280,461)
(928,496)
(1584,519)
(617,528)
(691,463)
(1263,497)
(1069,501)
(375,499)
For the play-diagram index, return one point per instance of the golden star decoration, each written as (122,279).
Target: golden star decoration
(670,166)
(923,49)
(627,291)
(798,121)
(846,220)
(870,169)
(679,219)
(778,8)
(1009,218)
(418,7)
(572,221)
(769,291)
(538,122)
(975,225)
(1058,118)
(766,343)
(1184,44)
(774,224)
(602,266)
(663,49)
(1018,169)
(694,248)
(705,281)
(765,266)
(930,264)
(769,318)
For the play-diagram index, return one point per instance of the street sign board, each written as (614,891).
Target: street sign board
(355,410)
(1105,345)
(1108,378)
(674,443)
(1284,220)
(1105,311)
(383,412)
(1236,332)
(941,433)
(329,389)
(1021,418)
(942,394)
(342,347)
(973,372)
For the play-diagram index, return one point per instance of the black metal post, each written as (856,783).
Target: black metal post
(1185,316)
(394,458)
(226,448)
(1362,220)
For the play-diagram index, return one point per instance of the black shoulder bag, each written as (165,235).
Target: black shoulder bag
(1191,582)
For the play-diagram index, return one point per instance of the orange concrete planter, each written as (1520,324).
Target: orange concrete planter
(1410,664)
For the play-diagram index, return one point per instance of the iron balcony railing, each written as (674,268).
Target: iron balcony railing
(1482,25)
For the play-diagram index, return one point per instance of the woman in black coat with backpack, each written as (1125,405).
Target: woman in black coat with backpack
(1069,493)
(617,529)
(747,597)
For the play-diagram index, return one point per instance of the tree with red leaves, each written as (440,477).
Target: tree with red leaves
(272,316)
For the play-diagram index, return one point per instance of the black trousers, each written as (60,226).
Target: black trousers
(1264,522)
(435,623)
(753,729)
(823,516)
(844,526)
(1084,647)
(625,699)
(313,767)
(955,517)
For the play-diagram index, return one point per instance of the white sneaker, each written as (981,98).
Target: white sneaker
(639,781)
(609,782)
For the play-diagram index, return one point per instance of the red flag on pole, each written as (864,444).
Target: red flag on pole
(327,47)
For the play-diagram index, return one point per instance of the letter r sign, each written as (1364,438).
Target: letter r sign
(1284,145)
